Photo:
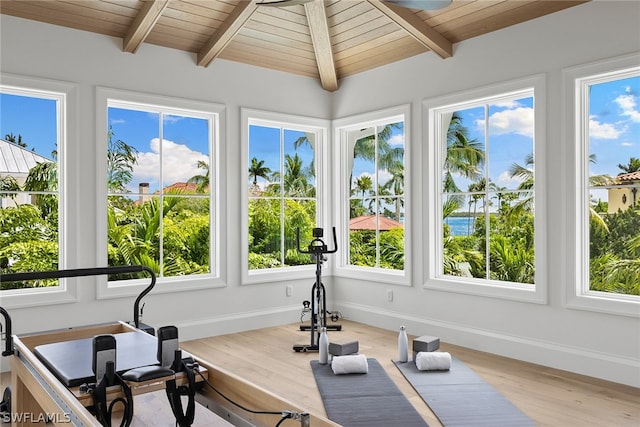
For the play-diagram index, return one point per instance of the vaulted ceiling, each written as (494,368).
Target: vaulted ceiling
(328,40)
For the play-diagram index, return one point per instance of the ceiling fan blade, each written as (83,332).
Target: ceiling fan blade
(421,4)
(281,3)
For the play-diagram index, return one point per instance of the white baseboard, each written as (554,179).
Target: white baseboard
(601,365)
(237,322)
(596,364)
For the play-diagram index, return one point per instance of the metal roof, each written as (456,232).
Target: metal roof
(16,160)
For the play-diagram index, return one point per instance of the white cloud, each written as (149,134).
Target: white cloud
(600,130)
(396,140)
(505,180)
(518,120)
(629,106)
(384,176)
(178,166)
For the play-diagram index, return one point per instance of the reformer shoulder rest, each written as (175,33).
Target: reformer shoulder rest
(146,373)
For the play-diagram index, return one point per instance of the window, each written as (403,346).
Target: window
(283,158)
(161,187)
(485,216)
(33,216)
(372,188)
(603,102)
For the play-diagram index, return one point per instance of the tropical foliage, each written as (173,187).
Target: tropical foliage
(509,254)
(29,232)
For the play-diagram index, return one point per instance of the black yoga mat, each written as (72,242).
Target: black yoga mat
(367,400)
(459,397)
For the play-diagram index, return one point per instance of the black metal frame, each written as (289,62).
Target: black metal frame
(77,272)
(317,248)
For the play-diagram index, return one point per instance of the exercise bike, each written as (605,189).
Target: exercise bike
(317,249)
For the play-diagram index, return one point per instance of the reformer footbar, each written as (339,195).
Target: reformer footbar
(318,249)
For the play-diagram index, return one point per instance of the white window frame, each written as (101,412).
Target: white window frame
(307,124)
(66,96)
(576,129)
(216,112)
(341,128)
(433,155)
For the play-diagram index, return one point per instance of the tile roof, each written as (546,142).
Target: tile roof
(631,176)
(368,222)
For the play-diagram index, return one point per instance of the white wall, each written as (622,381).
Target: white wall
(596,344)
(601,345)
(89,60)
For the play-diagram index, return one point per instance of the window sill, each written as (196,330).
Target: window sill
(601,302)
(252,277)
(128,288)
(381,275)
(490,289)
(33,297)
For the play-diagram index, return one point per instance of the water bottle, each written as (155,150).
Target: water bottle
(403,345)
(323,346)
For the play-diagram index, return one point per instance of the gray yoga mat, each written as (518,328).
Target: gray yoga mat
(366,400)
(459,397)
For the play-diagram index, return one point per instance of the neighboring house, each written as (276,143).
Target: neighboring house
(626,195)
(16,161)
(368,222)
(178,187)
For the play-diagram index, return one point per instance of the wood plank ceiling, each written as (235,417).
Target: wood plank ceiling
(327,40)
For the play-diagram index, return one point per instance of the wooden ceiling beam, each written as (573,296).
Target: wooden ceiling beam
(418,29)
(143,24)
(319,29)
(227,31)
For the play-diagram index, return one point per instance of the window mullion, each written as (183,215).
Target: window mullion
(282,200)
(487,212)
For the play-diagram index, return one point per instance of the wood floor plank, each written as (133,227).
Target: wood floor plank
(549,396)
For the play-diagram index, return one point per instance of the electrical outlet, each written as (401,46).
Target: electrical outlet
(389,295)
(289,290)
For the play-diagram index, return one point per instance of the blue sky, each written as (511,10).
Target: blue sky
(614,132)
(508,139)
(264,144)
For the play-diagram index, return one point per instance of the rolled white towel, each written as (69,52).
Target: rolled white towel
(433,361)
(350,364)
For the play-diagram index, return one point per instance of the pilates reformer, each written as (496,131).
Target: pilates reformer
(86,388)
(318,250)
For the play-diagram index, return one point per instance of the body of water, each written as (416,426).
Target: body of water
(460,225)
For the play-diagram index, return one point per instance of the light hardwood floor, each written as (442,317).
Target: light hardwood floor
(549,396)
(266,358)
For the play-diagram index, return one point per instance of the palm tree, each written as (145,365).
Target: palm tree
(120,160)
(307,139)
(15,140)
(8,187)
(43,177)
(365,148)
(632,166)
(202,181)
(464,156)
(364,184)
(477,189)
(258,169)
(396,185)
(295,181)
